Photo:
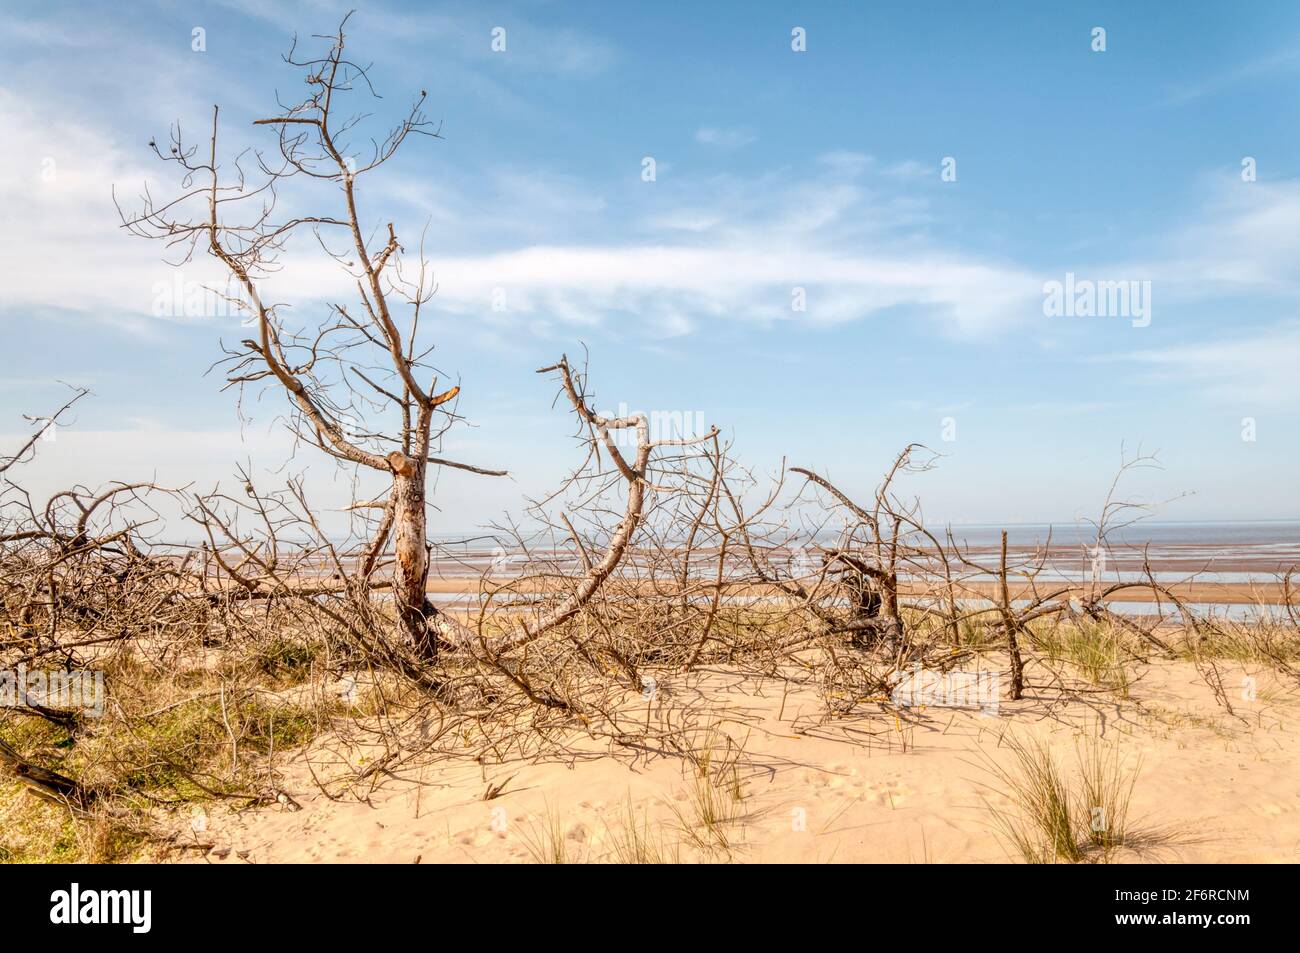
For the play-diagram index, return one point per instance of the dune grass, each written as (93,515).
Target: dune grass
(1098,653)
(633,842)
(1057,816)
(546,841)
(715,796)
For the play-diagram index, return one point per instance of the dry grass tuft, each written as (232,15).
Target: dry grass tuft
(715,797)
(546,840)
(1100,653)
(633,842)
(1057,817)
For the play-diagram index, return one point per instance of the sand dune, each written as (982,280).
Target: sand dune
(1211,787)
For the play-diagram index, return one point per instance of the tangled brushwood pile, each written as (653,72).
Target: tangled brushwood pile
(151,661)
(207,663)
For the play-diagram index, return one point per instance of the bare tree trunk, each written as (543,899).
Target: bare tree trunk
(249,251)
(411,569)
(1011,625)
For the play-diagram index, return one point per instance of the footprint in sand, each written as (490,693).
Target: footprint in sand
(475,838)
(890,794)
(816,779)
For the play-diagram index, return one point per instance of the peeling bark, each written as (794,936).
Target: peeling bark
(411,567)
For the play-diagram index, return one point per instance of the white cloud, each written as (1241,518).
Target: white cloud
(1242,240)
(747,245)
(725,138)
(1250,371)
(658,285)
(909,169)
(62,247)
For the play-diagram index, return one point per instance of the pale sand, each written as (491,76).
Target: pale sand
(869,788)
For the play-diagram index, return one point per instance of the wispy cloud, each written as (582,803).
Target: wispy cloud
(843,239)
(61,248)
(1279,63)
(667,291)
(1241,240)
(1249,371)
(725,138)
(821,248)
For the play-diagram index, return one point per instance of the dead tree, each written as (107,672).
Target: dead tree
(1011,624)
(356,376)
(635,474)
(883,531)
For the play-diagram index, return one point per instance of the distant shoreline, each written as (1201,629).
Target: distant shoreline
(1212,593)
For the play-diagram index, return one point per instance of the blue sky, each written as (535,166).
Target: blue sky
(775,170)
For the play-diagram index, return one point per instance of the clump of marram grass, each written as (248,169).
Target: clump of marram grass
(546,841)
(1098,652)
(1105,787)
(287,661)
(714,805)
(633,842)
(1265,639)
(1056,817)
(630,838)
(711,812)
(715,797)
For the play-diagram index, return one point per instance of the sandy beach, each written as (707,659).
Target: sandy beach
(1210,787)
